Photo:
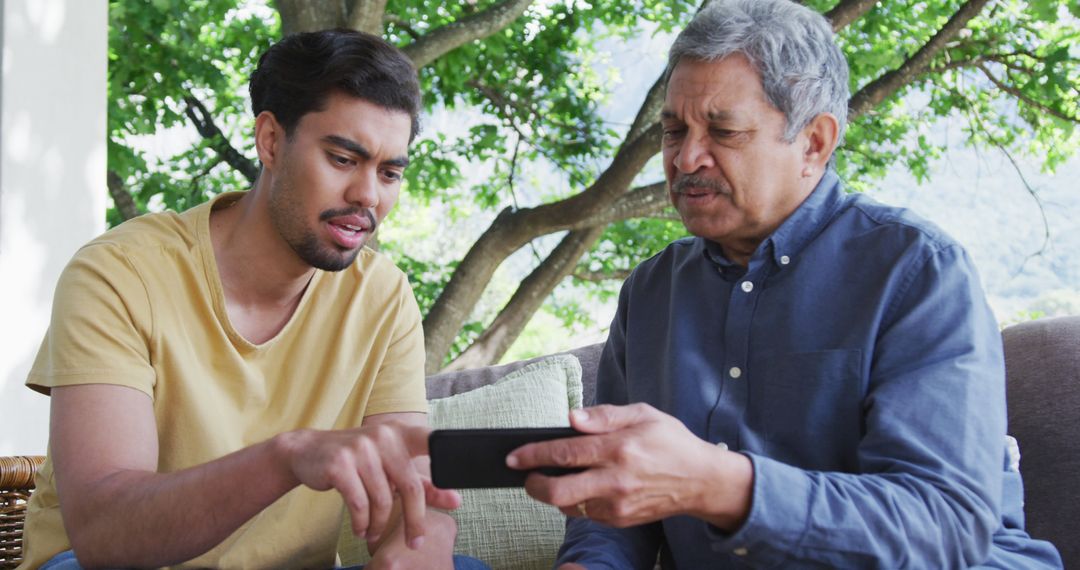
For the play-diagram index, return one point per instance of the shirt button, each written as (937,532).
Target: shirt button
(784,260)
(735,372)
(747,286)
(722,446)
(741,551)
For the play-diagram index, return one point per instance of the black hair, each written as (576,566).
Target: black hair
(297,75)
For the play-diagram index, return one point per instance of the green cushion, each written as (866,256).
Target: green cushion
(503,527)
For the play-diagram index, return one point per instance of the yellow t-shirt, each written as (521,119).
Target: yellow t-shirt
(142,306)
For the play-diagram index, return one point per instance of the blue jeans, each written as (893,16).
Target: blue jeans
(66,561)
(460,563)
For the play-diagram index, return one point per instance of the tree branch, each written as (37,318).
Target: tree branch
(404,25)
(511,320)
(439,41)
(204,123)
(1021,96)
(649,113)
(847,11)
(601,276)
(877,90)
(978,120)
(513,229)
(122,199)
(637,203)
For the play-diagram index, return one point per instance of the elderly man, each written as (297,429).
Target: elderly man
(815,379)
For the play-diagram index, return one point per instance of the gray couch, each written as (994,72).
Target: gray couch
(1043,368)
(1042,360)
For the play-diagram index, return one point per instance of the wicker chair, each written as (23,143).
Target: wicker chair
(16,482)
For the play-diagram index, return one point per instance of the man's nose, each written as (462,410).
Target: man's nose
(363,190)
(694,155)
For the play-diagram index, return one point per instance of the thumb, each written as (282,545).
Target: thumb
(607,418)
(445,499)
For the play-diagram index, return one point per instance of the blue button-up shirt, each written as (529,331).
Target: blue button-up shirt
(855,362)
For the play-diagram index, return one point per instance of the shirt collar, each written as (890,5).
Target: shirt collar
(794,233)
(807,221)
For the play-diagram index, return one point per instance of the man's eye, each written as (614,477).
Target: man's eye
(724,133)
(340,160)
(392,175)
(674,132)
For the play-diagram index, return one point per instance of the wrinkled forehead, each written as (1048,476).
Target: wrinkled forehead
(716,87)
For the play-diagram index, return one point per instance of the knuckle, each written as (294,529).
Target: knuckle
(623,486)
(340,458)
(561,454)
(411,487)
(623,452)
(380,502)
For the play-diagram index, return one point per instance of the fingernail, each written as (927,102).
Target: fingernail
(373,538)
(416,543)
(580,415)
(511,461)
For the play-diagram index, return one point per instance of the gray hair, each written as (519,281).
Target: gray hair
(803,72)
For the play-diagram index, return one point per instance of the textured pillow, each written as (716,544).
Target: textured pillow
(503,527)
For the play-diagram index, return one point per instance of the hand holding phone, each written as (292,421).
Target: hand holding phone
(476,458)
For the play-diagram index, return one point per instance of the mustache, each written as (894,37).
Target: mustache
(682,183)
(329,214)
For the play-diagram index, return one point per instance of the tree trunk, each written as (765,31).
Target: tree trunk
(367,15)
(310,15)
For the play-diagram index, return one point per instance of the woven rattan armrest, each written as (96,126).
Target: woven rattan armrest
(16,484)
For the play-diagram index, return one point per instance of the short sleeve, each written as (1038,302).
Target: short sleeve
(100,328)
(399,384)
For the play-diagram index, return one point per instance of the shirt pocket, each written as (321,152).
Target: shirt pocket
(810,407)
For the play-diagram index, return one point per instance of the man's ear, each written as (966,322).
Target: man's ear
(822,134)
(269,138)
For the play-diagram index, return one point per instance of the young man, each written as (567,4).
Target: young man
(212,373)
(815,380)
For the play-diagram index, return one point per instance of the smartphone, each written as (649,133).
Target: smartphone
(476,458)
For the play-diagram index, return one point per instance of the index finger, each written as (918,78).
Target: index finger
(409,486)
(581,451)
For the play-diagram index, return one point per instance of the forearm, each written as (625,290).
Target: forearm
(132,517)
(860,520)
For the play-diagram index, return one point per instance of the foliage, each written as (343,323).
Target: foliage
(532,105)
(160,52)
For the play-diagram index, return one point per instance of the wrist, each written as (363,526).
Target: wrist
(727,489)
(283,449)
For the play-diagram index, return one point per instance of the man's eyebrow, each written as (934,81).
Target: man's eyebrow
(711,116)
(349,145)
(400,161)
(359,150)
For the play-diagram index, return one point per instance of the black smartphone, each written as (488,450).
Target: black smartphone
(476,458)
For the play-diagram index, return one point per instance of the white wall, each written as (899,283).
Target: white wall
(52,182)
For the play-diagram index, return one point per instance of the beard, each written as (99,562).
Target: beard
(286,213)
